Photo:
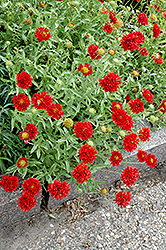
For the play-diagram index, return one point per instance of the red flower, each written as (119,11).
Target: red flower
(102,1)
(143,51)
(110,82)
(136,105)
(142,19)
(26,202)
(42,34)
(112,16)
(144,134)
(107,27)
(55,111)
(128,98)
(147,95)
(122,119)
(132,41)
(162,106)
(24,135)
(151,161)
(31,186)
(158,60)
(32,130)
(157,7)
(123,199)
(141,155)
(104,11)
(72,24)
(21,102)
(93,52)
(156,30)
(87,153)
(81,173)
(129,176)
(116,158)
(83,130)
(8,183)
(42,5)
(22,162)
(24,80)
(111,52)
(59,189)
(41,100)
(130,142)
(116,106)
(86,70)
(164,14)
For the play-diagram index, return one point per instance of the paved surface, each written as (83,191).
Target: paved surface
(92,222)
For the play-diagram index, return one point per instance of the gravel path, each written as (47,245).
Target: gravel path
(141,225)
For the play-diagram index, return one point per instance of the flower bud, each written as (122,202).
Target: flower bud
(135,90)
(92,110)
(69,44)
(88,35)
(101,52)
(68,123)
(122,133)
(104,190)
(7,42)
(90,143)
(115,60)
(33,110)
(80,190)
(9,63)
(109,129)
(103,128)
(150,87)
(152,118)
(28,21)
(153,17)
(112,3)
(151,106)
(59,82)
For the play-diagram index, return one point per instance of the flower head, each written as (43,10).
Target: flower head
(55,111)
(123,199)
(129,176)
(116,158)
(86,70)
(143,51)
(83,130)
(42,34)
(28,21)
(42,4)
(81,173)
(110,82)
(116,106)
(144,134)
(135,72)
(151,161)
(59,189)
(31,128)
(87,154)
(26,202)
(141,155)
(111,52)
(112,16)
(142,19)
(158,60)
(122,119)
(156,30)
(128,98)
(147,95)
(104,11)
(31,186)
(22,162)
(130,142)
(93,52)
(132,41)
(108,28)
(9,184)
(24,80)
(136,105)
(21,102)
(68,123)
(42,100)
(162,106)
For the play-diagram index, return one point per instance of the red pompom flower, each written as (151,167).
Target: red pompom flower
(158,60)
(21,102)
(24,80)
(9,184)
(116,106)
(156,30)
(41,100)
(55,111)
(108,28)
(144,134)
(136,105)
(59,189)
(110,82)
(93,52)
(142,19)
(81,173)
(147,95)
(141,155)
(129,176)
(83,130)
(123,199)
(31,186)
(86,70)
(130,142)
(162,106)
(87,153)
(112,16)
(26,202)
(132,41)
(29,133)
(151,161)
(22,162)
(116,158)
(122,119)
(42,34)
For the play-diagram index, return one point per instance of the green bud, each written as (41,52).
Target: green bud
(115,60)
(68,123)
(92,110)
(80,190)
(33,110)
(151,106)
(152,118)
(104,190)
(112,3)
(90,143)
(122,133)
(150,87)
(103,128)
(69,44)
(9,63)
(59,82)
(7,42)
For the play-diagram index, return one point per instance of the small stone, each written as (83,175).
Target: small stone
(51,225)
